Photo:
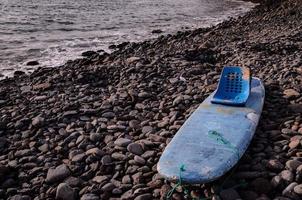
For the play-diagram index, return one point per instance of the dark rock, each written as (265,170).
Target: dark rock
(298,189)
(289,191)
(106,160)
(276,181)
(112,46)
(32,63)
(135,148)
(122,142)
(41,86)
(73,181)
(20,197)
(95,137)
(275,165)
(22,153)
(287,176)
(89,53)
(108,187)
(59,173)
(144,197)
(100,179)
(90,196)
(18,73)
(38,121)
(157,31)
(65,192)
(292,165)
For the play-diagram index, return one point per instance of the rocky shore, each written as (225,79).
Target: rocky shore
(96,127)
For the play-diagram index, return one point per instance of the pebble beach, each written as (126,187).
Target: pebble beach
(94,128)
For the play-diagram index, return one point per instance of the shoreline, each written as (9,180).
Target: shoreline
(59,47)
(96,127)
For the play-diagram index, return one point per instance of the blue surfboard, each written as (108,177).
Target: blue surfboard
(213,138)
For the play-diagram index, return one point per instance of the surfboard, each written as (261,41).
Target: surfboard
(212,139)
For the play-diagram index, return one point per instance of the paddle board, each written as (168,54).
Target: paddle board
(213,139)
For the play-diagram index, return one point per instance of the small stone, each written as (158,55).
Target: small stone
(147,129)
(298,189)
(155,183)
(42,86)
(144,95)
(139,160)
(163,124)
(287,176)
(95,137)
(79,157)
(118,156)
(90,196)
(156,31)
(177,100)
(148,154)
(127,195)
(32,63)
(108,115)
(25,89)
(95,151)
(44,148)
(73,181)
(287,131)
(70,113)
(275,165)
(164,190)
(135,149)
(22,153)
(106,160)
(276,181)
(134,124)
(293,164)
(117,191)
(20,197)
(294,144)
(89,53)
(100,179)
(229,194)
(40,98)
(132,60)
(18,73)
(126,179)
(291,93)
(144,197)
(122,142)
(289,190)
(19,124)
(59,173)
(137,178)
(108,187)
(65,192)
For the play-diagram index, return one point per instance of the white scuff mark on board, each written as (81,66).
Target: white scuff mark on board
(253,117)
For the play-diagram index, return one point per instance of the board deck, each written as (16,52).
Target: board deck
(204,157)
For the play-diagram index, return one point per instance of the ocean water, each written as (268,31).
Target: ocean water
(54,31)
